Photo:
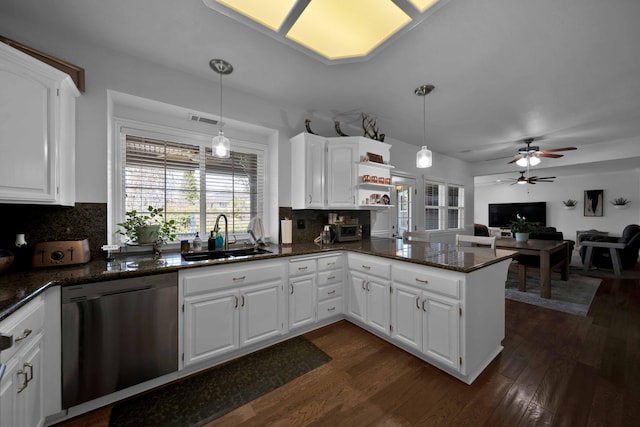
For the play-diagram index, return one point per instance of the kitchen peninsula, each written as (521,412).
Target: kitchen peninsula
(441,303)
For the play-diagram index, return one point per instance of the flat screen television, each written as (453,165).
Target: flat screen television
(501,214)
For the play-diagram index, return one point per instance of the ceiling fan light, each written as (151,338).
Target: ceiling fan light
(522,162)
(534,160)
(221,146)
(424,158)
(522,181)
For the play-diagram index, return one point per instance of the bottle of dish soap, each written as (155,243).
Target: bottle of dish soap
(211,243)
(197,243)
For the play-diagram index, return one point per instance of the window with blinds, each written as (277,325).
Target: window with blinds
(192,185)
(444,206)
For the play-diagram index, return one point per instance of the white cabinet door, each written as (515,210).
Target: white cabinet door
(378,307)
(357,296)
(406,315)
(38,110)
(21,395)
(308,171)
(441,336)
(211,325)
(260,312)
(302,302)
(341,160)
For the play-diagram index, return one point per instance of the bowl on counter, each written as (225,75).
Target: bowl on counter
(6,259)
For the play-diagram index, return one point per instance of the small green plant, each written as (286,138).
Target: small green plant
(570,202)
(620,201)
(152,217)
(521,225)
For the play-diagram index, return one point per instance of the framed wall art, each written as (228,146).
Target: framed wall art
(593,203)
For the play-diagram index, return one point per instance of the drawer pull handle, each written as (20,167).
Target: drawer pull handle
(418,303)
(236,301)
(423,307)
(331,309)
(422,281)
(366,267)
(302,268)
(363,285)
(331,277)
(330,263)
(24,383)
(235,279)
(25,334)
(29,366)
(291,289)
(331,292)
(242,305)
(368,287)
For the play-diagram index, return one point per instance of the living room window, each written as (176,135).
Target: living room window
(444,206)
(192,185)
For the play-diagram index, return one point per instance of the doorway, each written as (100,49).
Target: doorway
(403,212)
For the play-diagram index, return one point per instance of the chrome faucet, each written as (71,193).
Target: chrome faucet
(226,230)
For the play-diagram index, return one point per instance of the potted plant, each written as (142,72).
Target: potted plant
(570,203)
(521,228)
(620,202)
(148,227)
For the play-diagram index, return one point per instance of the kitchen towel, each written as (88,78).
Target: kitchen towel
(285,229)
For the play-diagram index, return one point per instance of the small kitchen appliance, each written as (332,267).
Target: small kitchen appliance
(61,253)
(348,232)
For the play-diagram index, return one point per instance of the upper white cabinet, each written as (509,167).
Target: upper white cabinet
(326,172)
(37,131)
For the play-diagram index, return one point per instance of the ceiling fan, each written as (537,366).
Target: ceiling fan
(532,179)
(530,155)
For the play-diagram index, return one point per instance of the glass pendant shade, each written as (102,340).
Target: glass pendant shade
(522,162)
(424,158)
(534,160)
(221,146)
(528,161)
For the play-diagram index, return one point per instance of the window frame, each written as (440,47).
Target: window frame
(443,206)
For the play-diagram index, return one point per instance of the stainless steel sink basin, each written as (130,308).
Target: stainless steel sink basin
(206,255)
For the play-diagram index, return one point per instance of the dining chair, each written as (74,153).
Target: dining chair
(476,240)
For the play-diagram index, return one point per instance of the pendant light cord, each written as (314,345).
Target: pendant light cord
(220,123)
(424,120)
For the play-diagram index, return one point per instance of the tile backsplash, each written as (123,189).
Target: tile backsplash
(46,223)
(314,220)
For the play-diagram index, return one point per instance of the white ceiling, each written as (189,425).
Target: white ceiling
(503,70)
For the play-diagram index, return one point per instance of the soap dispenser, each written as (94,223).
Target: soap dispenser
(197,243)
(211,243)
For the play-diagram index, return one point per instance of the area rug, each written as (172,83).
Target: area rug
(206,396)
(573,296)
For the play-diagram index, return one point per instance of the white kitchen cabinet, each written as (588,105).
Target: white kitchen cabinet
(37,130)
(426,322)
(342,155)
(21,386)
(302,288)
(308,163)
(330,287)
(228,307)
(369,287)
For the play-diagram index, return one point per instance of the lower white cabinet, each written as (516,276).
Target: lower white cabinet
(369,288)
(427,322)
(21,386)
(229,308)
(302,288)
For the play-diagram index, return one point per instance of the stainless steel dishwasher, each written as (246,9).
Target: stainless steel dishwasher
(116,334)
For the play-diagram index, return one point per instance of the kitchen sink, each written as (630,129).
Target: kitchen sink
(206,255)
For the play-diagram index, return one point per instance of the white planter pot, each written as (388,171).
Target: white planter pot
(620,206)
(569,208)
(522,237)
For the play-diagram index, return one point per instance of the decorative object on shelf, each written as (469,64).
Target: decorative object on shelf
(424,157)
(570,203)
(385,199)
(221,145)
(620,202)
(375,158)
(148,227)
(366,178)
(338,130)
(307,125)
(370,128)
(521,228)
(593,203)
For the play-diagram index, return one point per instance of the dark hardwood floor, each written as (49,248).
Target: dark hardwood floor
(556,369)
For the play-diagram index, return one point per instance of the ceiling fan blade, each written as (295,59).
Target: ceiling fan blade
(543,180)
(515,159)
(546,177)
(552,150)
(553,156)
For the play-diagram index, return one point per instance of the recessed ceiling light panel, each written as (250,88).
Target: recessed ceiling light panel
(333,31)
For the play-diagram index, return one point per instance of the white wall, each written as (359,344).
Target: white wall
(615,184)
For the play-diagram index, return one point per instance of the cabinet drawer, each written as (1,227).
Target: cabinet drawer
(221,277)
(301,267)
(22,325)
(329,277)
(330,262)
(426,278)
(331,291)
(329,308)
(370,265)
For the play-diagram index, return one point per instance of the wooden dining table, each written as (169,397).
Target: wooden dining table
(543,249)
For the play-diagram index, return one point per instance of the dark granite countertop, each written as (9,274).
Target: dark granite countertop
(19,287)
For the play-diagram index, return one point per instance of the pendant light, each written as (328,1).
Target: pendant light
(424,157)
(220,145)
